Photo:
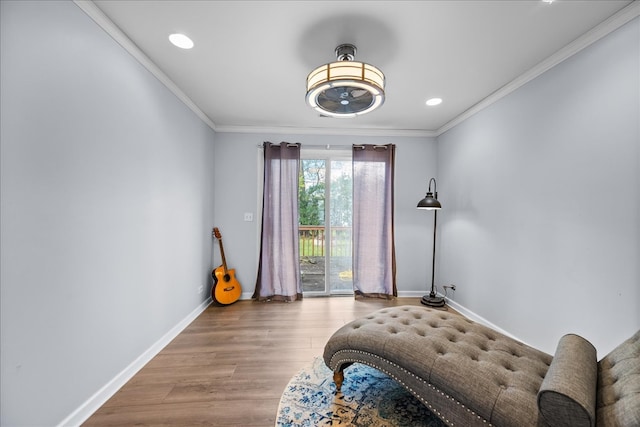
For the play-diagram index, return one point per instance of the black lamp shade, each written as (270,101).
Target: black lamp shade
(429,202)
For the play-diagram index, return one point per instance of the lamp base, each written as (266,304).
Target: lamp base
(433,301)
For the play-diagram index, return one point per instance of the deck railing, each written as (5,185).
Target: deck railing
(313,240)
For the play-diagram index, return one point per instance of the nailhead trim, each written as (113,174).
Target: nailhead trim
(334,365)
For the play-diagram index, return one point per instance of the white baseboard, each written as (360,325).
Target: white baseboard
(479,319)
(462,310)
(84,411)
(458,307)
(412,294)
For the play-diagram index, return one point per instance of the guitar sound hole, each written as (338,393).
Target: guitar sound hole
(227,277)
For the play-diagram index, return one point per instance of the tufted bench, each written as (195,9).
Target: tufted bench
(470,375)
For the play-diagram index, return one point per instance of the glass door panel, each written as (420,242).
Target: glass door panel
(324,202)
(339,256)
(311,207)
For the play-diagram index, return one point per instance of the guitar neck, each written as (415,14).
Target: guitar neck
(224,260)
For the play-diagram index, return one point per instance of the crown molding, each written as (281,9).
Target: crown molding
(325,131)
(611,24)
(614,22)
(121,38)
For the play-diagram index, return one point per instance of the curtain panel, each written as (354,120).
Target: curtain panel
(279,267)
(374,263)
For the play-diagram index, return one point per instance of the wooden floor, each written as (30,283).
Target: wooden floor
(230,366)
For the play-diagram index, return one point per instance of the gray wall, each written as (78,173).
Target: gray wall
(107,208)
(541,231)
(110,186)
(237,159)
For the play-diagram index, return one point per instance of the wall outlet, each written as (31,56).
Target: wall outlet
(200,289)
(248,216)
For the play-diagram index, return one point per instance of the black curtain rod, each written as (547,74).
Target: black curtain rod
(374,147)
(278,145)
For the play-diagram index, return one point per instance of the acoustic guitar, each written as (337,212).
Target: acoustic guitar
(226,289)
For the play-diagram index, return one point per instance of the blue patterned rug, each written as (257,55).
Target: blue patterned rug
(368,398)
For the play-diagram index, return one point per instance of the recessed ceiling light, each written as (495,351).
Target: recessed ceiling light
(434,101)
(548,1)
(181,41)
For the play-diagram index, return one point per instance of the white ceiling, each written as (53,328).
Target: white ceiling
(251,58)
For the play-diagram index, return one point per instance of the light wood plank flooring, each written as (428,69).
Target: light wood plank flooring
(230,365)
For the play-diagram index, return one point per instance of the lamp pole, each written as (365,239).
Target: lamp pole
(432,294)
(430,202)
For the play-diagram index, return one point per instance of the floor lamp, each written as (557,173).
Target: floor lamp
(431,203)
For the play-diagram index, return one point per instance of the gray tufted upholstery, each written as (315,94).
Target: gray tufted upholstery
(567,396)
(618,394)
(466,373)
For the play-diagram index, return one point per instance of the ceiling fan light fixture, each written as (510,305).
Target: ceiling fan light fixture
(345,88)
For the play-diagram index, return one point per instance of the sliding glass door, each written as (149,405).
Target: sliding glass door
(325,209)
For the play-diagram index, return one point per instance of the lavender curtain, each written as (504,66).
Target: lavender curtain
(374,263)
(279,267)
